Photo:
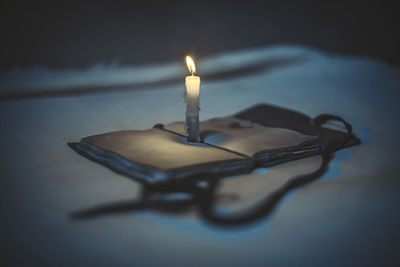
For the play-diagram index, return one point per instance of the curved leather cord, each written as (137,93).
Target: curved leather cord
(261,209)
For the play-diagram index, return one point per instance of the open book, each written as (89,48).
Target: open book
(262,135)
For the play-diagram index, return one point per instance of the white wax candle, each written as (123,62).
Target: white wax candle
(192,95)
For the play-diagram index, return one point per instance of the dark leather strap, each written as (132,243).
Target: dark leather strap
(261,209)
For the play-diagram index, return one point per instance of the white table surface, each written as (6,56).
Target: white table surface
(349,217)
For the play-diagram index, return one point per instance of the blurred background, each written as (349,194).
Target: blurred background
(63,34)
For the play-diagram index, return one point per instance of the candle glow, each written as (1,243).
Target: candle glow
(190,64)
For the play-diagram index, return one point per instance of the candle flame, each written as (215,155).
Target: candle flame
(190,64)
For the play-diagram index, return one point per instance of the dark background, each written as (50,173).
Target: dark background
(59,34)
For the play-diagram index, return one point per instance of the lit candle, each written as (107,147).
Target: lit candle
(191,96)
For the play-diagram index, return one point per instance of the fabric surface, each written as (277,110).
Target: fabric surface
(349,217)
